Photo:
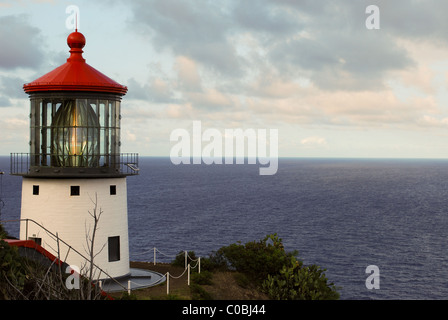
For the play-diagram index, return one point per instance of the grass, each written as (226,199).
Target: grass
(205,286)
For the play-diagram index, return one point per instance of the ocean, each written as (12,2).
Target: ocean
(341,214)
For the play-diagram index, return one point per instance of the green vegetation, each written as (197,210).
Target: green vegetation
(3,233)
(199,293)
(276,272)
(12,271)
(203,278)
(298,282)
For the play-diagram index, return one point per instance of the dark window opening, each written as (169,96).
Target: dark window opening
(113,189)
(114,248)
(36,190)
(74,191)
(37,240)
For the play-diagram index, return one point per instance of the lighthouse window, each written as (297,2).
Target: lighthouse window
(74,191)
(37,240)
(113,189)
(114,248)
(36,190)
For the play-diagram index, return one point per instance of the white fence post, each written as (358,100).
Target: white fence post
(154,255)
(167,283)
(188,278)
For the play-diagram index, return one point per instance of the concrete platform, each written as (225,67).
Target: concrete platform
(137,279)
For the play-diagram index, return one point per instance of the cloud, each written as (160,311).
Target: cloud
(336,51)
(188,74)
(312,107)
(193,29)
(326,42)
(130,136)
(4,102)
(314,141)
(288,62)
(418,20)
(14,123)
(432,121)
(12,86)
(155,90)
(263,16)
(21,43)
(210,99)
(15,132)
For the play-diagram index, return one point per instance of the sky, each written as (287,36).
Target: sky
(310,69)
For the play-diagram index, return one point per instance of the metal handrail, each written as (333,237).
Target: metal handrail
(69,246)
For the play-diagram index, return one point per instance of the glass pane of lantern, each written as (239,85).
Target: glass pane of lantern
(112,113)
(75,135)
(49,114)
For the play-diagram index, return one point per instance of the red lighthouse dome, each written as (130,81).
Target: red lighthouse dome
(75,74)
(76,40)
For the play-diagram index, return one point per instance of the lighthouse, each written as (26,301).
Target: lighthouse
(74,194)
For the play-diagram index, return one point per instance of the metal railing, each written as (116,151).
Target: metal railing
(29,164)
(20,163)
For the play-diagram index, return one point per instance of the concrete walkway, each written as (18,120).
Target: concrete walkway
(137,279)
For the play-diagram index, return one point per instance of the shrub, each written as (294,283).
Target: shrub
(256,259)
(215,262)
(3,233)
(12,272)
(298,282)
(205,277)
(199,293)
(267,265)
(277,272)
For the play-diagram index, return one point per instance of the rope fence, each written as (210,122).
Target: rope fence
(167,275)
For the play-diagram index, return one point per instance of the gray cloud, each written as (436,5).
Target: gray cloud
(337,52)
(4,102)
(155,91)
(325,41)
(12,86)
(20,43)
(194,29)
(417,20)
(338,61)
(264,16)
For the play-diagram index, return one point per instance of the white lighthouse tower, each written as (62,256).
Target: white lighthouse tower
(74,169)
